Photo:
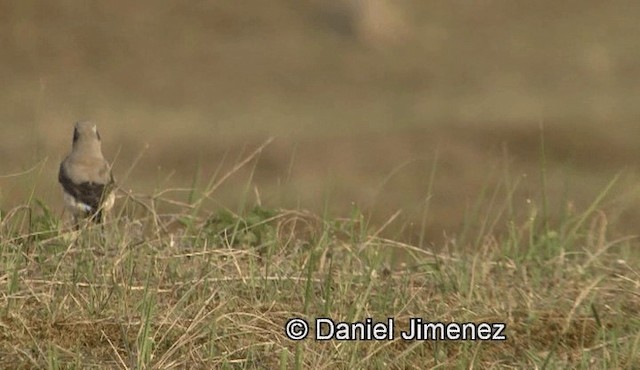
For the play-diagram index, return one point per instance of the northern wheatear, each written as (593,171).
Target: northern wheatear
(85,175)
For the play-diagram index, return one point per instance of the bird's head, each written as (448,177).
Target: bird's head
(86,136)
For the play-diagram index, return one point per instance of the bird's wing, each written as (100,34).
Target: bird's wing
(88,192)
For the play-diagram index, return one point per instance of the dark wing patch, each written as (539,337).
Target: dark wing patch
(89,193)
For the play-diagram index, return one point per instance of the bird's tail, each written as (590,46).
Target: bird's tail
(97,217)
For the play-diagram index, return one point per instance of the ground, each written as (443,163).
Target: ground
(453,162)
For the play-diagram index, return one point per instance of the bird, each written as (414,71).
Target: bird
(85,176)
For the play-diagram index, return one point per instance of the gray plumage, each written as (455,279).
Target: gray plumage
(85,175)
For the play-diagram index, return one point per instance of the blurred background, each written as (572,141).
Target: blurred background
(433,108)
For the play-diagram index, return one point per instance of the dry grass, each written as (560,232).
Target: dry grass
(201,289)
(406,181)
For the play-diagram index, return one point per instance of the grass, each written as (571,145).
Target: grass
(205,277)
(200,287)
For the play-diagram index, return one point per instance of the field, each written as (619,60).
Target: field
(348,159)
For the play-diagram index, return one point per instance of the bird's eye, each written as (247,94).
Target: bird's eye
(75,135)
